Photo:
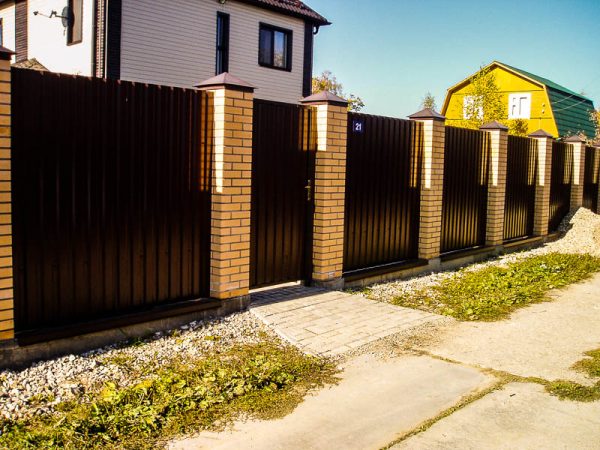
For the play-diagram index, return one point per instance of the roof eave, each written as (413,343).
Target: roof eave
(314,20)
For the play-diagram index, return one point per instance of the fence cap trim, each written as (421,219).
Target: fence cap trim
(324,97)
(495,125)
(226,80)
(427,113)
(574,138)
(541,134)
(5,54)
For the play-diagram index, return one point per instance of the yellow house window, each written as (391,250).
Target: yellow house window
(472,107)
(519,105)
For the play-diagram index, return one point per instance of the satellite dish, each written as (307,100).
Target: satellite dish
(66,17)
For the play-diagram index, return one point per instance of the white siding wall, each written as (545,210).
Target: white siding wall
(7,14)
(173,43)
(47,38)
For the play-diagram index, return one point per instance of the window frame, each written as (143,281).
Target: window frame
(1,32)
(223,50)
(471,99)
(289,36)
(519,95)
(75,28)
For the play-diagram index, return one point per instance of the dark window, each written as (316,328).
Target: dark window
(222,43)
(75,28)
(1,33)
(275,47)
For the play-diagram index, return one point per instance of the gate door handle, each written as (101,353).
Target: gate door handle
(308,188)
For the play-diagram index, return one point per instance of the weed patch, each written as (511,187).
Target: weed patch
(494,292)
(569,390)
(259,380)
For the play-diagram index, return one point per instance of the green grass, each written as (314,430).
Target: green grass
(260,380)
(569,390)
(492,293)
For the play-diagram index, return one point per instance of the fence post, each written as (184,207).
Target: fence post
(597,150)
(232,104)
(330,188)
(494,235)
(542,188)
(578,145)
(7,314)
(432,184)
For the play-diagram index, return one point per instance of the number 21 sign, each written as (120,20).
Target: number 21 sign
(358,126)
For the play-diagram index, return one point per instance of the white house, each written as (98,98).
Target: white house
(268,43)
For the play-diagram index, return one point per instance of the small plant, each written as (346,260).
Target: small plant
(569,390)
(494,292)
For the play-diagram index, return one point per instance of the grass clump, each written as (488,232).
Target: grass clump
(569,390)
(493,292)
(260,380)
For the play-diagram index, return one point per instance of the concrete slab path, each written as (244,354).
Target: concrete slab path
(542,340)
(331,322)
(375,402)
(520,416)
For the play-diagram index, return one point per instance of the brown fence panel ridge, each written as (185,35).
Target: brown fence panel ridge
(560,183)
(591,175)
(464,207)
(383,174)
(521,175)
(111,197)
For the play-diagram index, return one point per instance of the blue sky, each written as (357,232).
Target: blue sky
(392,52)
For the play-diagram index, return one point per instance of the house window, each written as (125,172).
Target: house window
(75,28)
(472,108)
(222,64)
(275,47)
(2,32)
(519,106)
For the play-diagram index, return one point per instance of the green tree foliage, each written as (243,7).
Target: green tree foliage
(518,127)
(595,116)
(484,102)
(428,102)
(328,82)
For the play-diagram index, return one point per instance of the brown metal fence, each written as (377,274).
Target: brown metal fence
(521,174)
(464,207)
(111,185)
(560,183)
(383,173)
(284,145)
(591,175)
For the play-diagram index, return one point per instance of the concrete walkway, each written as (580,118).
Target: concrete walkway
(331,322)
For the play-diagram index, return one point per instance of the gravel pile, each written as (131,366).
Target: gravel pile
(37,389)
(581,235)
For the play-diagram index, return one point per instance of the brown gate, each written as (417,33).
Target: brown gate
(591,175)
(111,185)
(560,183)
(464,208)
(383,173)
(284,145)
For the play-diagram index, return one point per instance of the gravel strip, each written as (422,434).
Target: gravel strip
(581,235)
(39,388)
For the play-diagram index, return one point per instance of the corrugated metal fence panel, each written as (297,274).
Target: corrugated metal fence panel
(560,184)
(592,173)
(284,144)
(383,173)
(466,166)
(111,185)
(521,175)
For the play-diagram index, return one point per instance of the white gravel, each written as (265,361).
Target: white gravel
(37,389)
(581,235)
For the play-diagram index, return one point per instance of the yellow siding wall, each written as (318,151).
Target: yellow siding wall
(508,82)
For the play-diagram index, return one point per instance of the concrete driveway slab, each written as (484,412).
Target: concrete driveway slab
(375,402)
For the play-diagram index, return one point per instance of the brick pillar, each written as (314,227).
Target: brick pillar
(494,235)
(330,188)
(578,145)
(542,189)
(432,183)
(7,322)
(232,101)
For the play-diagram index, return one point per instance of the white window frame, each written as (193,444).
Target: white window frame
(516,108)
(468,100)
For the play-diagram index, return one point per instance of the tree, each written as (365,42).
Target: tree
(328,82)
(518,127)
(595,116)
(483,101)
(428,102)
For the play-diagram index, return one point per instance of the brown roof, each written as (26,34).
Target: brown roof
(32,63)
(293,8)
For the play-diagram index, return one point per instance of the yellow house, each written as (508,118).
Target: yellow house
(541,102)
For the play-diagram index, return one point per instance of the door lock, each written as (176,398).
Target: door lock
(308,188)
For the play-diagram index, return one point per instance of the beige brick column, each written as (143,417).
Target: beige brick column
(496,183)
(432,182)
(329,188)
(578,145)
(542,189)
(232,101)
(7,317)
